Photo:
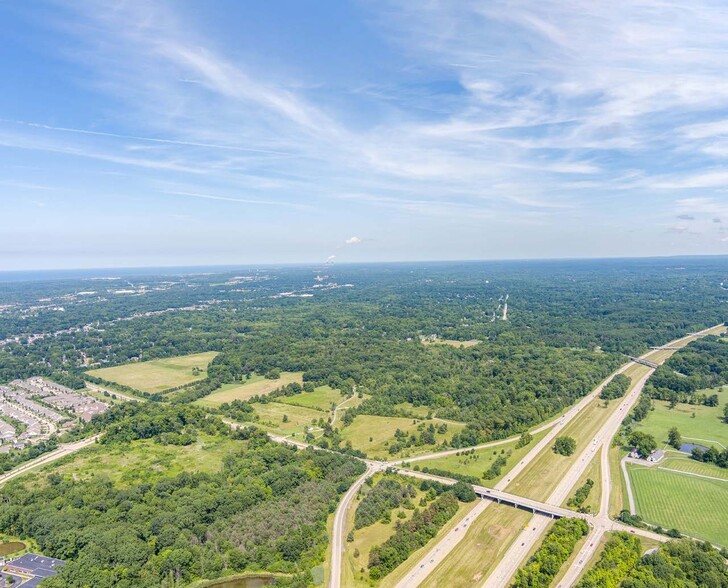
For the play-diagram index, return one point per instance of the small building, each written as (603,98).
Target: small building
(34,565)
(656,456)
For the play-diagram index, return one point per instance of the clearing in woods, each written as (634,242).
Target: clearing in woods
(254,386)
(158,375)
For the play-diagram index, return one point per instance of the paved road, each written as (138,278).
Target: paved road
(97,388)
(520,548)
(338,544)
(58,453)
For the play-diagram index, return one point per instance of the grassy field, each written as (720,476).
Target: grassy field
(255,386)
(708,422)
(141,460)
(488,538)
(475,464)
(158,375)
(683,463)
(271,418)
(381,432)
(618,490)
(593,471)
(695,506)
(321,399)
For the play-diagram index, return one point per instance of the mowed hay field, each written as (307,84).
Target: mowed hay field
(158,375)
(695,506)
(297,418)
(321,399)
(255,386)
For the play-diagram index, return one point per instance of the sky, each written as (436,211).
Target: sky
(179,132)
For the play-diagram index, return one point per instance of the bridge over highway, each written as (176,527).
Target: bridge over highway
(649,364)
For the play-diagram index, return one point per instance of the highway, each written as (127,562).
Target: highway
(513,558)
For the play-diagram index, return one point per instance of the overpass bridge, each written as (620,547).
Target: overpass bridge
(665,348)
(649,364)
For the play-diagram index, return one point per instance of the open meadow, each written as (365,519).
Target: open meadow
(475,463)
(695,506)
(158,375)
(254,386)
(375,434)
(321,399)
(707,425)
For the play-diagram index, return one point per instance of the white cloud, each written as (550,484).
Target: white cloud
(353,241)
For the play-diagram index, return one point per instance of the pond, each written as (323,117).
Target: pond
(246,582)
(11,547)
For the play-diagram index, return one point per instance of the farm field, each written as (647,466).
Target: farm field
(140,460)
(255,386)
(707,425)
(321,399)
(381,432)
(271,417)
(487,539)
(158,375)
(476,464)
(695,506)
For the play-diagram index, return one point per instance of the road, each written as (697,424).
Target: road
(338,544)
(97,388)
(511,561)
(58,453)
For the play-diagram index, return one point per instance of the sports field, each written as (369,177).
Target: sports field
(475,464)
(158,375)
(707,424)
(255,386)
(695,506)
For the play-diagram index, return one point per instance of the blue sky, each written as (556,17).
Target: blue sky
(177,133)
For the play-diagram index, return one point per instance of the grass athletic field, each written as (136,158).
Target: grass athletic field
(255,386)
(158,375)
(695,506)
(708,422)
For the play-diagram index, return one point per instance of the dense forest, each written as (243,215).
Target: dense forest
(702,364)
(265,510)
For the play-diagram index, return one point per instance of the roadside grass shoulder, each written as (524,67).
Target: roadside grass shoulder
(158,375)
(618,490)
(593,472)
(486,540)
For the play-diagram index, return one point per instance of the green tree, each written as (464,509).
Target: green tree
(674,438)
(564,445)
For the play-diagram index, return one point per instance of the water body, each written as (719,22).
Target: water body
(247,582)
(688,447)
